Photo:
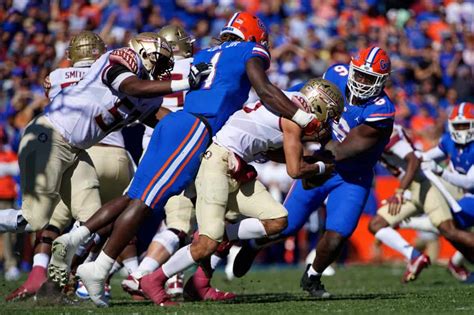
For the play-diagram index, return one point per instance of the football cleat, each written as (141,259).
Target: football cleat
(174,286)
(35,280)
(459,272)
(313,285)
(63,251)
(414,268)
(198,288)
(93,283)
(131,285)
(244,259)
(153,286)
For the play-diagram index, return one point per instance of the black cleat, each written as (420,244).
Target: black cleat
(313,285)
(244,260)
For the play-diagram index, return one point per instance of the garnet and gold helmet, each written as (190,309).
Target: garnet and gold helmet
(155,53)
(85,48)
(181,42)
(324,99)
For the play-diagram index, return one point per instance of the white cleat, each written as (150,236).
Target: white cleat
(229,267)
(93,283)
(63,251)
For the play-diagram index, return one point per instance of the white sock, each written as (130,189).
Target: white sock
(422,223)
(9,220)
(215,260)
(180,261)
(91,257)
(80,235)
(41,260)
(457,259)
(148,265)
(116,267)
(312,272)
(246,229)
(394,240)
(131,264)
(104,264)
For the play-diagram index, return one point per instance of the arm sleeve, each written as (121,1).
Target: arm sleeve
(465,181)
(9,169)
(435,154)
(258,51)
(115,75)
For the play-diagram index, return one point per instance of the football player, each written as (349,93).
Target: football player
(358,140)
(226,182)
(173,156)
(415,195)
(458,146)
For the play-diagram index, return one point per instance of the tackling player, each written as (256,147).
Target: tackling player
(358,140)
(173,156)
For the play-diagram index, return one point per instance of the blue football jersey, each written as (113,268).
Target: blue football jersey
(227,87)
(378,111)
(461,156)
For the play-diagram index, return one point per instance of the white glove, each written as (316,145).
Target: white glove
(432,166)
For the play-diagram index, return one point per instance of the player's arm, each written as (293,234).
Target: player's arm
(155,117)
(273,97)
(293,149)
(47,85)
(120,78)
(358,140)
(465,181)
(435,154)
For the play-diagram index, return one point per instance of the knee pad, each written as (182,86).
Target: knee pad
(170,239)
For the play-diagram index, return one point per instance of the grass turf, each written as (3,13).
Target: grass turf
(356,289)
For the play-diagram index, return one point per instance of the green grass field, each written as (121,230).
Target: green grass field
(356,289)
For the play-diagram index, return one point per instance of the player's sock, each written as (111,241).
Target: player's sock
(312,272)
(419,223)
(148,265)
(41,260)
(104,264)
(246,229)
(131,264)
(91,257)
(457,259)
(393,239)
(79,235)
(215,260)
(115,267)
(180,261)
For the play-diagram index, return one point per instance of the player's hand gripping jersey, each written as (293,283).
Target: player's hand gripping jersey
(86,112)
(378,112)
(227,86)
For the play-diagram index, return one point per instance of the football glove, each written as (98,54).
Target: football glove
(197,73)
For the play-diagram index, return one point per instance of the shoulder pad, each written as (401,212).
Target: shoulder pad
(126,57)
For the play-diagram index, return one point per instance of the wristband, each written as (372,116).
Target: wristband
(322,167)
(302,118)
(179,85)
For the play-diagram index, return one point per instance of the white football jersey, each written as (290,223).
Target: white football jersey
(64,77)
(174,101)
(84,113)
(252,131)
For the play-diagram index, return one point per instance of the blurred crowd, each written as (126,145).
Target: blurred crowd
(430,42)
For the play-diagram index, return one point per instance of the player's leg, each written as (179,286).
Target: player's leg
(299,203)
(345,205)
(212,188)
(461,239)
(168,166)
(179,214)
(43,158)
